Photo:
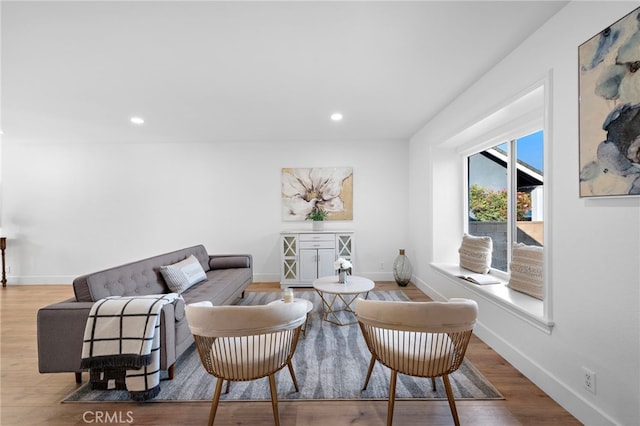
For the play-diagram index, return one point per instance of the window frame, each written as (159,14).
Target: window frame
(501,131)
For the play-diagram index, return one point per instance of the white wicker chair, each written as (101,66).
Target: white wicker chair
(241,343)
(423,339)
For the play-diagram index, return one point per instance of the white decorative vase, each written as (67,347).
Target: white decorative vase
(318,225)
(342,276)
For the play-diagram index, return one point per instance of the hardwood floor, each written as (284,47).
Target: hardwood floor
(30,398)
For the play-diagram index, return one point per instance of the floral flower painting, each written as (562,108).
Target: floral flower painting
(610,110)
(326,188)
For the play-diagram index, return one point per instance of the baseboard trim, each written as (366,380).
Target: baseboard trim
(40,280)
(567,397)
(570,400)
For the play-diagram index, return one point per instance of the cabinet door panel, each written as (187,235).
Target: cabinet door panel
(326,257)
(308,265)
(289,269)
(344,245)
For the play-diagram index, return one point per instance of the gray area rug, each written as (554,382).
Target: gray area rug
(330,363)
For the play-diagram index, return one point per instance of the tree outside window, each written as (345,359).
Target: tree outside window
(488,205)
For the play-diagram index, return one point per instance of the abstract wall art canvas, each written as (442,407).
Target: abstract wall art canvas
(609,84)
(329,188)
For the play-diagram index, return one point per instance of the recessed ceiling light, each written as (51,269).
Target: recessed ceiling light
(336,116)
(137,120)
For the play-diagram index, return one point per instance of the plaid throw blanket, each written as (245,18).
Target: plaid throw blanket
(122,344)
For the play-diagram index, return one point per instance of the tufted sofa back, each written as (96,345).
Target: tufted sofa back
(134,279)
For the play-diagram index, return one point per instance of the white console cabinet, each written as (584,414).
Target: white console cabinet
(307,255)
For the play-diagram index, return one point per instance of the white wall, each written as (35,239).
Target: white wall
(73,208)
(594,243)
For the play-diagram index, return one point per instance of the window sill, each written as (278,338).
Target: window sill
(526,307)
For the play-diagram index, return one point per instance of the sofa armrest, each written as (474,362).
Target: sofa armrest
(60,335)
(228,261)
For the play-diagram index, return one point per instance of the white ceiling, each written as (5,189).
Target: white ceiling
(259,71)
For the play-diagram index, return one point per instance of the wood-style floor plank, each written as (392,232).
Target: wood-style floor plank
(30,398)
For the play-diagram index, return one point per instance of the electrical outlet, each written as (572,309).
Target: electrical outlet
(381,265)
(589,380)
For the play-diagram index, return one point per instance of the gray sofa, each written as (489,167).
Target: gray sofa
(61,325)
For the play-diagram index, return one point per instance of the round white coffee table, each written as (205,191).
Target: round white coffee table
(299,300)
(332,293)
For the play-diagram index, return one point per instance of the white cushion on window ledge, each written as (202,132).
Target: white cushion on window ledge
(475,253)
(527,270)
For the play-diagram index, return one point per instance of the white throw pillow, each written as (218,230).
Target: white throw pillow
(182,275)
(475,253)
(527,267)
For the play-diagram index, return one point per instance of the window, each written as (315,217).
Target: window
(505,195)
(497,166)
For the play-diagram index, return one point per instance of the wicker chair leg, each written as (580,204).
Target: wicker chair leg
(274,399)
(293,376)
(392,396)
(372,363)
(216,399)
(452,402)
(433,383)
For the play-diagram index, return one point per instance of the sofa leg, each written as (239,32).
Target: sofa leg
(171,371)
(79,377)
